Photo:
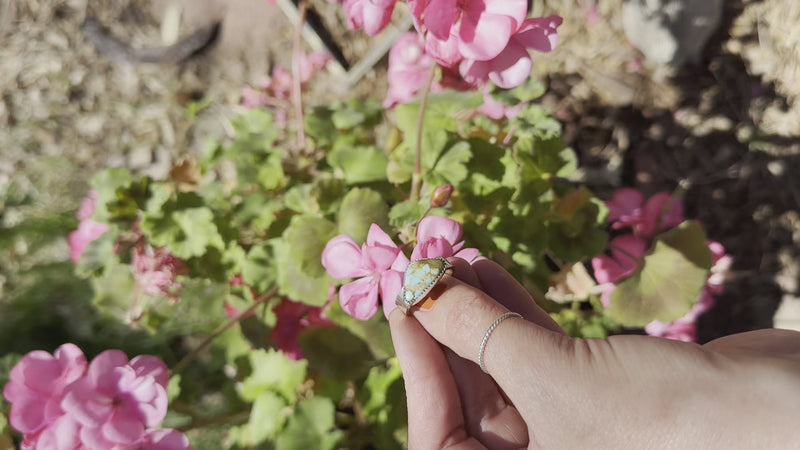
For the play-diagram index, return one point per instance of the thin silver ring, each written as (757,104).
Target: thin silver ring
(489,333)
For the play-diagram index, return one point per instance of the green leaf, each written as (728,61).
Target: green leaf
(668,281)
(406,213)
(266,417)
(311,426)
(174,387)
(452,166)
(382,398)
(319,126)
(443,110)
(270,172)
(295,283)
(362,207)
(359,164)
(273,371)
(336,353)
(199,231)
(307,237)
(258,269)
(97,255)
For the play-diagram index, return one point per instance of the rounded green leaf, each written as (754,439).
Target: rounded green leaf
(667,283)
(362,207)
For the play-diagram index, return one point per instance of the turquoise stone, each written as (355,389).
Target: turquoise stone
(420,277)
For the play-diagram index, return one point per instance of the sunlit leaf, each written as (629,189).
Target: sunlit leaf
(668,280)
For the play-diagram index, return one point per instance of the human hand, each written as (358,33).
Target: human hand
(546,390)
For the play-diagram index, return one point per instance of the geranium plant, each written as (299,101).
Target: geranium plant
(264,261)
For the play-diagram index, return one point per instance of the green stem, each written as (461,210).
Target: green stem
(297,94)
(183,363)
(416,177)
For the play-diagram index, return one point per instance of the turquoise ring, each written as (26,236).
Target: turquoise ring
(420,277)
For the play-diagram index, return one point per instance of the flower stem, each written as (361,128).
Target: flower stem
(416,177)
(183,363)
(297,95)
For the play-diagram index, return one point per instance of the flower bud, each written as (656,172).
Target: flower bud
(441,195)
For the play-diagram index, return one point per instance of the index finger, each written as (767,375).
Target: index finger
(517,352)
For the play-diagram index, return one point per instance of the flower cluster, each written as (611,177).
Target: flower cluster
(60,402)
(155,271)
(88,229)
(379,264)
(629,210)
(474,40)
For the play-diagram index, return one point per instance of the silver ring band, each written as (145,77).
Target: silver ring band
(489,333)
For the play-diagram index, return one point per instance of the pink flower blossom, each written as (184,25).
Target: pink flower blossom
(626,250)
(36,388)
(117,400)
(409,68)
(155,270)
(372,264)
(478,29)
(440,236)
(371,15)
(292,319)
(628,209)
(88,230)
(512,66)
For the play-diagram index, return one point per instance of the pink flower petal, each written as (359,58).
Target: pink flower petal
(468,254)
(539,33)
(484,36)
(88,231)
(100,368)
(153,366)
(360,298)
(445,52)
(440,16)
(166,439)
(83,403)
(123,428)
(625,204)
(511,67)
(342,258)
(515,9)
(62,434)
(656,219)
(391,283)
(438,227)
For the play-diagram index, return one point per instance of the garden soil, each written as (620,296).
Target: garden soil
(724,129)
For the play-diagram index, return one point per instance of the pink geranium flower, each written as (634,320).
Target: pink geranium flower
(88,229)
(371,264)
(512,66)
(155,271)
(409,68)
(292,319)
(441,236)
(478,29)
(626,251)
(371,15)
(118,400)
(35,390)
(628,209)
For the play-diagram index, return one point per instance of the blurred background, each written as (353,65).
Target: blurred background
(710,101)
